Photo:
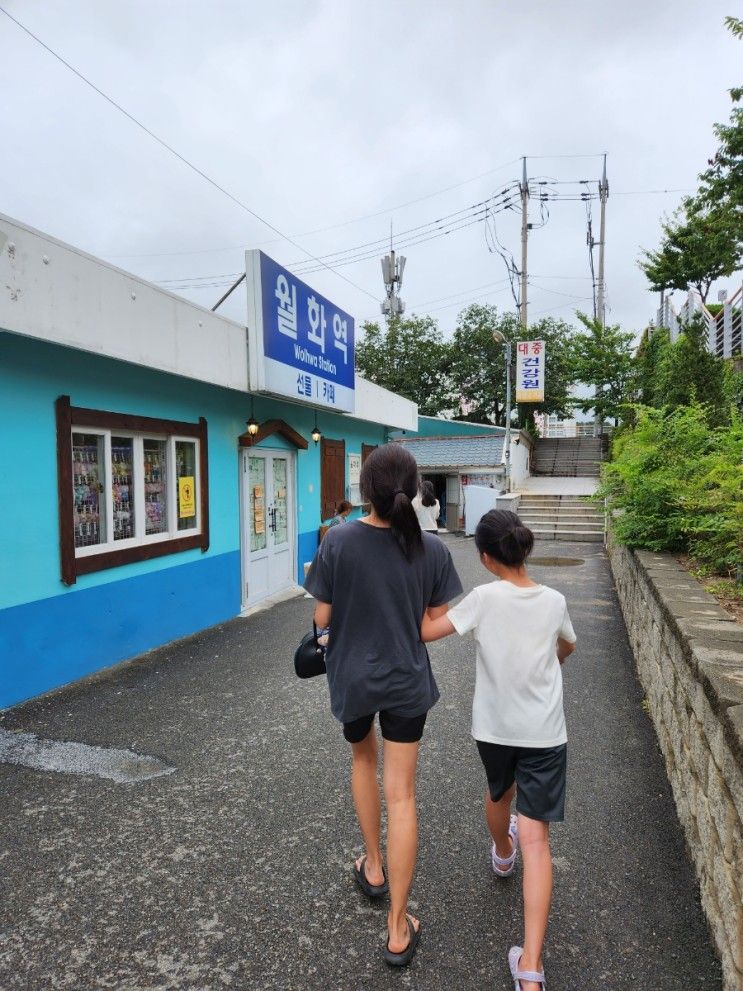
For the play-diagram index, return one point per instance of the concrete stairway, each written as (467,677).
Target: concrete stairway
(568,457)
(562,517)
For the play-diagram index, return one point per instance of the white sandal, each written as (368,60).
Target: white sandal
(514,957)
(505,866)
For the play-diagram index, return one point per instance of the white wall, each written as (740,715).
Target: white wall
(519,461)
(53,292)
(377,405)
(56,293)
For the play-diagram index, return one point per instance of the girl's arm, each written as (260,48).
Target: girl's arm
(322,614)
(436,624)
(564,649)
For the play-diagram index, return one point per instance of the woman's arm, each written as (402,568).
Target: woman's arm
(564,649)
(436,624)
(322,614)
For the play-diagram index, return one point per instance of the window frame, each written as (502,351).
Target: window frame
(75,561)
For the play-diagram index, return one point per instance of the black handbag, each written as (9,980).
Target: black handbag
(309,657)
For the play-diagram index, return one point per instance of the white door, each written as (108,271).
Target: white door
(267,482)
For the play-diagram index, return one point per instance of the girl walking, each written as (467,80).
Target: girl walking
(523,634)
(374,579)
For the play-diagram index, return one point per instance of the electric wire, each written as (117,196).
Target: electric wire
(457,220)
(181,158)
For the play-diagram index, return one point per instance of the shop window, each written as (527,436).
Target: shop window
(130,488)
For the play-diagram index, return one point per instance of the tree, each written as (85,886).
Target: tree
(701,244)
(689,373)
(704,240)
(478,370)
(650,354)
(603,358)
(722,182)
(409,357)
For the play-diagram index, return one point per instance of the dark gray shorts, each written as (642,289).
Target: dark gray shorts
(539,774)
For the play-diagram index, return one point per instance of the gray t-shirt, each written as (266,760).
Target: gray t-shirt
(375,658)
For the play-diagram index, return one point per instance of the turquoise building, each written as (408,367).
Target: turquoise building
(147,493)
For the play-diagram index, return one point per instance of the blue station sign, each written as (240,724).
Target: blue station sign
(301,345)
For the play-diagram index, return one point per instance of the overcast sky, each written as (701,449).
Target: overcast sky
(316,114)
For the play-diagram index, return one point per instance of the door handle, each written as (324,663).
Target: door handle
(272,515)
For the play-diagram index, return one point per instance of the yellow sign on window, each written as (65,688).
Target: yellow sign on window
(186,496)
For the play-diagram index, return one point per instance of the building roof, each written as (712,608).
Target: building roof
(480,451)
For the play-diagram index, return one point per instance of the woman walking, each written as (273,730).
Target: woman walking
(427,508)
(374,579)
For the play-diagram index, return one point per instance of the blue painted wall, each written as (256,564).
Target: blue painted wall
(51,634)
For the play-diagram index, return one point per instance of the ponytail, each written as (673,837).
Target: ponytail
(501,535)
(389,481)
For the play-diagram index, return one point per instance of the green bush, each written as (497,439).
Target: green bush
(677,483)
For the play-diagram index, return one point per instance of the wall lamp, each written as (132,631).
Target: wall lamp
(316,435)
(252,423)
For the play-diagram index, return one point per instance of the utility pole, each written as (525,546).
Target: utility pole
(524,238)
(603,197)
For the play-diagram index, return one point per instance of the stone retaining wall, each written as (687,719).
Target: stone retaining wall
(689,657)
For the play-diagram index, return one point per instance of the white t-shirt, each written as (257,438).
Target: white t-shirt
(427,515)
(518,685)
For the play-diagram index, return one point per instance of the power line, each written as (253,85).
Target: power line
(181,158)
(331,227)
(464,292)
(473,299)
(458,220)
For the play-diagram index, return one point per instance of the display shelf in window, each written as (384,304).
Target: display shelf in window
(155,486)
(122,487)
(88,474)
(185,465)
(130,488)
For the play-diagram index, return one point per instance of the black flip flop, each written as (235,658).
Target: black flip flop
(404,958)
(370,890)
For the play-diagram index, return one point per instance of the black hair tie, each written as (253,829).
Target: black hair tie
(399,492)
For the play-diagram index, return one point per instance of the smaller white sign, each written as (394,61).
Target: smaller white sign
(530,372)
(354,476)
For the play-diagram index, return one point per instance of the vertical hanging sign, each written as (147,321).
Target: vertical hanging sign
(300,344)
(530,372)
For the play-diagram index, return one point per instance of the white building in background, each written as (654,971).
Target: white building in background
(724,327)
(554,426)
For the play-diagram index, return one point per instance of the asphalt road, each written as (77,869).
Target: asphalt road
(234,870)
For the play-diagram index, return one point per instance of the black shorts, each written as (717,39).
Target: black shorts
(396,729)
(539,774)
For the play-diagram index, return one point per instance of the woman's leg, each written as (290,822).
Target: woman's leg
(498,815)
(534,841)
(365,790)
(400,761)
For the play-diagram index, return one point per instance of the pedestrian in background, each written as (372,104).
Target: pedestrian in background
(341,514)
(427,508)
(374,580)
(523,634)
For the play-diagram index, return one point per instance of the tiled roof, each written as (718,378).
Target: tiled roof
(484,451)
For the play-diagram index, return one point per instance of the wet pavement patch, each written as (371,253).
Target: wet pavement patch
(556,562)
(65,757)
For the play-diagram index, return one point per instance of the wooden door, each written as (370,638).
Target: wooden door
(332,476)
(366,450)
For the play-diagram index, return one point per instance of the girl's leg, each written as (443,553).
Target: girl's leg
(534,841)
(400,761)
(365,790)
(498,816)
